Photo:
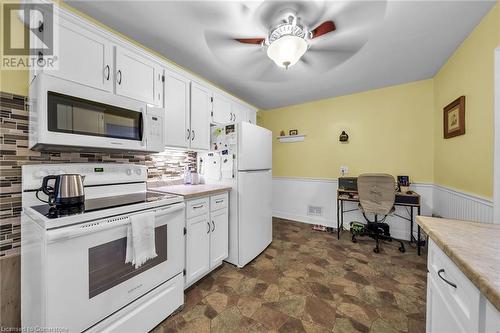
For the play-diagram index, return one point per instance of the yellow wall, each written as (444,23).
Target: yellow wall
(390,130)
(13,81)
(466,162)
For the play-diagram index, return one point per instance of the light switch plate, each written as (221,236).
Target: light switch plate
(344,170)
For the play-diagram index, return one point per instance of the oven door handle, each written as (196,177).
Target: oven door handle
(104,224)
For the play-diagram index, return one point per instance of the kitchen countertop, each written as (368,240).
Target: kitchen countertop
(192,191)
(474,247)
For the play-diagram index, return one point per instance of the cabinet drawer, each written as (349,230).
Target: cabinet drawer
(218,202)
(463,299)
(197,207)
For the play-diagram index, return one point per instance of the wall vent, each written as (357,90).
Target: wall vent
(314,211)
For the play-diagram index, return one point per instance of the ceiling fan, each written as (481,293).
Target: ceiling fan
(309,38)
(289,40)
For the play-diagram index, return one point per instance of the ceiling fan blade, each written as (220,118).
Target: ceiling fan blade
(323,28)
(256,41)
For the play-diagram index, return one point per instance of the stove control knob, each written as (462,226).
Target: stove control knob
(41,173)
(128,172)
(138,171)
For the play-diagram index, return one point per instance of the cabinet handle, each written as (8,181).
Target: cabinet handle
(120,79)
(188,134)
(445,280)
(219,201)
(208,224)
(106,72)
(194,134)
(234,117)
(196,207)
(213,223)
(230,116)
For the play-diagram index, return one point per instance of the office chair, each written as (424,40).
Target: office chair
(377,194)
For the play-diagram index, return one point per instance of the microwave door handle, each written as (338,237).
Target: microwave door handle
(145,126)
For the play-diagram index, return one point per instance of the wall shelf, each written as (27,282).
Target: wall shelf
(291,138)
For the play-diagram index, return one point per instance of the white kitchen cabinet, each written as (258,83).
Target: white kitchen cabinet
(492,318)
(84,57)
(207,235)
(138,77)
(221,110)
(252,116)
(440,315)
(177,112)
(197,247)
(219,241)
(454,304)
(239,113)
(201,107)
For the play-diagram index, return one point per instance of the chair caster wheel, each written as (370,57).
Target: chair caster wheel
(376,250)
(402,249)
(390,240)
(354,240)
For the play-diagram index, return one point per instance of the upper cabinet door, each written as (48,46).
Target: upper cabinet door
(201,107)
(137,77)
(239,112)
(252,116)
(221,112)
(177,131)
(84,57)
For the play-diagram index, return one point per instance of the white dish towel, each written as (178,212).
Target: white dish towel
(141,239)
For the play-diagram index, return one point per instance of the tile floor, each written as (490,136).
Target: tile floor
(308,281)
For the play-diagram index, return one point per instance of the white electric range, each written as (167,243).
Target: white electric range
(73,270)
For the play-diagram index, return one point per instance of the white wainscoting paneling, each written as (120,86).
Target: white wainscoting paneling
(292,196)
(454,204)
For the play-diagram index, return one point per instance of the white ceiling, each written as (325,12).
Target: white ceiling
(376,44)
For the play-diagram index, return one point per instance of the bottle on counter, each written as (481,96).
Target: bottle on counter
(187,176)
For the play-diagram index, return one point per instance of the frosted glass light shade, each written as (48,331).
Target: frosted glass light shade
(287,50)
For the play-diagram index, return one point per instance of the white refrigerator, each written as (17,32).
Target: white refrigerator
(241,157)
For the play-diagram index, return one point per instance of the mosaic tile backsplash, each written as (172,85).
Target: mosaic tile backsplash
(14,153)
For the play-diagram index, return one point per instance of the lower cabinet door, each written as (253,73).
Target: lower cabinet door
(219,242)
(440,316)
(197,247)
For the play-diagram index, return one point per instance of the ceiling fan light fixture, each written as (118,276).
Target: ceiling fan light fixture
(287,50)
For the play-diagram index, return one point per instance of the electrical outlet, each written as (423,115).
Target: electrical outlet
(344,170)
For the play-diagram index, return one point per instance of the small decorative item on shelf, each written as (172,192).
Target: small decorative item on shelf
(343,137)
(293,132)
(282,133)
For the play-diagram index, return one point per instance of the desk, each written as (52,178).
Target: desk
(409,200)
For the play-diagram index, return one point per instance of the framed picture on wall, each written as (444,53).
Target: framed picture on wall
(454,118)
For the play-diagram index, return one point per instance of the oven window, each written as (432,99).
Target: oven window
(68,114)
(107,267)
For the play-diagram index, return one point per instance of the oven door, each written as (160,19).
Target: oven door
(67,114)
(87,277)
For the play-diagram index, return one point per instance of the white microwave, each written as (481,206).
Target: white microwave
(68,116)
